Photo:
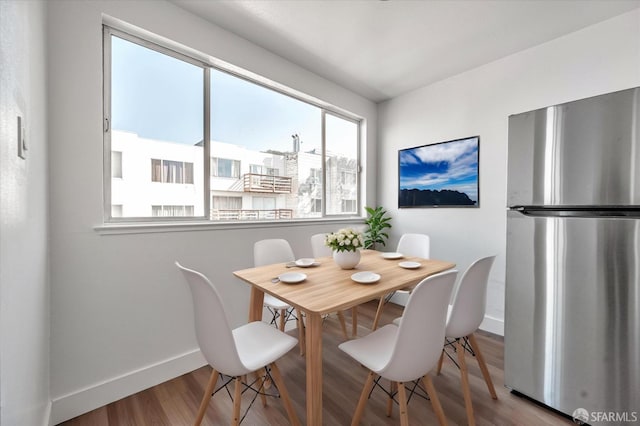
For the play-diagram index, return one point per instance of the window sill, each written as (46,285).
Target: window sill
(153,227)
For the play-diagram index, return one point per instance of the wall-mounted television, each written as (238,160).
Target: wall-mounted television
(443,174)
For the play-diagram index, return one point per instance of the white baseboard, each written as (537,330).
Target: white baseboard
(493,325)
(490,324)
(73,404)
(46,421)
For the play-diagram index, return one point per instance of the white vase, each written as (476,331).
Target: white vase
(346,259)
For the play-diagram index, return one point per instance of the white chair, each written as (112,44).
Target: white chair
(320,249)
(463,319)
(267,252)
(407,352)
(416,245)
(250,348)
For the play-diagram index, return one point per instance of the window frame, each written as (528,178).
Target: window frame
(207,63)
(107,32)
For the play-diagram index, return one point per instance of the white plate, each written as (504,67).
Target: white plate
(305,262)
(391,255)
(365,277)
(292,277)
(409,265)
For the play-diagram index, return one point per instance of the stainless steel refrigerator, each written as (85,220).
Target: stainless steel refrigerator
(572,304)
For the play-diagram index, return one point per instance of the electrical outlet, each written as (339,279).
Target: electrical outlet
(22,140)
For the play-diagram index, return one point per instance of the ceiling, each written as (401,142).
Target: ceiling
(382,49)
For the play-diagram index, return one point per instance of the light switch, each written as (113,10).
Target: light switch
(22,141)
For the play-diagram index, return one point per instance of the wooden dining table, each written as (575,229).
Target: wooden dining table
(327,289)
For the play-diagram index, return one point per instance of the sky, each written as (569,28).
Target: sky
(452,165)
(160,97)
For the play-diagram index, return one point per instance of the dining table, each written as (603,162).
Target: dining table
(326,288)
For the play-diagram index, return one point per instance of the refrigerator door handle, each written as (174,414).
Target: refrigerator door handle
(585,212)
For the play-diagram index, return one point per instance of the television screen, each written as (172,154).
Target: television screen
(443,174)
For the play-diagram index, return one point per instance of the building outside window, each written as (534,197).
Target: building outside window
(348,205)
(116,164)
(316,205)
(268,150)
(116,210)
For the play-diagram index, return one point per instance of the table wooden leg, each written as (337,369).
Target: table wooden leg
(354,321)
(255,304)
(314,369)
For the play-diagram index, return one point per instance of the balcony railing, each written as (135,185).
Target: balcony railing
(267,183)
(274,214)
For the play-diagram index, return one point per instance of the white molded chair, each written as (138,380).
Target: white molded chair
(320,249)
(267,252)
(250,348)
(417,245)
(407,352)
(463,319)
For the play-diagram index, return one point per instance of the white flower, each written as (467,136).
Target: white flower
(345,239)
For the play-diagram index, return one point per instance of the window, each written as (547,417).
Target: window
(226,203)
(316,176)
(155,99)
(224,167)
(169,211)
(223,142)
(341,164)
(168,171)
(264,203)
(260,170)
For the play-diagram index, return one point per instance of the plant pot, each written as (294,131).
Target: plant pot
(346,259)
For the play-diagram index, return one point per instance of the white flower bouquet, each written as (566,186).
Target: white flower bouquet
(345,239)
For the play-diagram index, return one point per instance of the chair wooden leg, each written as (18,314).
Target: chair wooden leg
(343,324)
(368,385)
(261,386)
(354,321)
(402,398)
(237,399)
(376,319)
(213,379)
(390,400)
(283,316)
(464,374)
(482,365)
(301,334)
(440,362)
(435,402)
(284,394)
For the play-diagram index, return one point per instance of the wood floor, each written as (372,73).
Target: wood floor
(176,402)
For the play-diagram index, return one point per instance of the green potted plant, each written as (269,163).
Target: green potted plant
(377,222)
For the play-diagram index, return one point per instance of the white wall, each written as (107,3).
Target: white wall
(24,285)
(599,59)
(120,311)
